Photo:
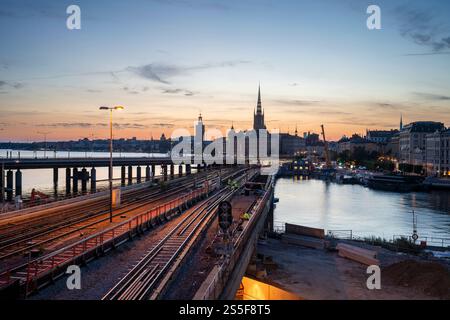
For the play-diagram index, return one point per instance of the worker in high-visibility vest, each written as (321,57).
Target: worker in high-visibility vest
(246,216)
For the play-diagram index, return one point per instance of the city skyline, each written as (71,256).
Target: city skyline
(168,61)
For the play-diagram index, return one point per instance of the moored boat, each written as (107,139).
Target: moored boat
(398,183)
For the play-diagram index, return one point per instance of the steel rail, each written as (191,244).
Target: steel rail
(25,240)
(131,281)
(138,283)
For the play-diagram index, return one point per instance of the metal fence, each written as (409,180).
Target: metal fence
(279,227)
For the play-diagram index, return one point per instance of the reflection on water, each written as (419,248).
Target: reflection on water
(332,206)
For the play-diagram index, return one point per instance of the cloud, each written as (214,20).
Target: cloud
(187,93)
(432,96)
(297,102)
(162,125)
(386,105)
(130,126)
(423,28)
(160,72)
(172,91)
(27,9)
(85,125)
(14,85)
(427,54)
(155,72)
(129,91)
(71,125)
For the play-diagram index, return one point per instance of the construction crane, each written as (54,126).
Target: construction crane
(327,150)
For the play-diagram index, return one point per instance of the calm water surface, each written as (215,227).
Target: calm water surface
(331,206)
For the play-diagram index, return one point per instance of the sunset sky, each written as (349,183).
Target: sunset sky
(167,60)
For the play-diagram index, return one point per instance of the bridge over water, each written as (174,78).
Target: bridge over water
(77,171)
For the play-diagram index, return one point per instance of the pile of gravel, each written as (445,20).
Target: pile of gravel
(431,278)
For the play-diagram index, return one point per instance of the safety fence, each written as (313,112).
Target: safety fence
(279,227)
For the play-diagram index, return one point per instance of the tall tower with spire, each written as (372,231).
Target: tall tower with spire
(258,116)
(401,122)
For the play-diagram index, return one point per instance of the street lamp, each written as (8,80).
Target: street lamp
(111,109)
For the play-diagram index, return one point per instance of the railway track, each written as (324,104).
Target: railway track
(31,239)
(44,220)
(143,280)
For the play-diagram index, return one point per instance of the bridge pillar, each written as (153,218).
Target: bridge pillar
(55,181)
(93,180)
(164,169)
(9,185)
(153,171)
(84,179)
(75,180)
(180,170)
(188,169)
(172,171)
(139,175)
(68,175)
(122,176)
(2,184)
(18,183)
(130,175)
(147,174)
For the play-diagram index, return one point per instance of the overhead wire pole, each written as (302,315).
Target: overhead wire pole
(111,109)
(45,142)
(93,136)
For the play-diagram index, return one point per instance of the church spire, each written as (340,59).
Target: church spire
(258,106)
(258,116)
(401,121)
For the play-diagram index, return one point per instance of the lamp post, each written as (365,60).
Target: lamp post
(111,109)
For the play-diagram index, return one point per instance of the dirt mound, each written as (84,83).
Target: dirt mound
(431,278)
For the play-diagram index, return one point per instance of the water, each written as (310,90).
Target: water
(42,179)
(367,212)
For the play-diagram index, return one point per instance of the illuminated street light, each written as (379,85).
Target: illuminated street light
(111,109)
